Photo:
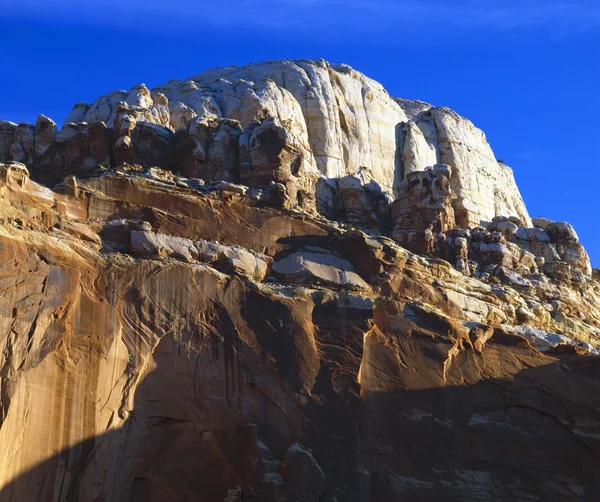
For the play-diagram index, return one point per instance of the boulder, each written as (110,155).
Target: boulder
(511,278)
(233,259)
(320,268)
(153,244)
(506,228)
(541,222)
(561,232)
(539,338)
(229,259)
(532,234)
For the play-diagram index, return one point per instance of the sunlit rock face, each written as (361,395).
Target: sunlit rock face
(338,120)
(277,283)
(166,340)
(484,187)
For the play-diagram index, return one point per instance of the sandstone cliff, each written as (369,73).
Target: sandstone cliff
(337,119)
(276,283)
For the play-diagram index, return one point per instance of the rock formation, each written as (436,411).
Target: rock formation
(276,283)
(331,121)
(423,208)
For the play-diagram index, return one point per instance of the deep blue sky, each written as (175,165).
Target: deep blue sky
(526,72)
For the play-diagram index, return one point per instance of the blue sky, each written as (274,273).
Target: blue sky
(526,72)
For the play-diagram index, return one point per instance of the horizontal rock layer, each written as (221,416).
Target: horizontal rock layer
(165,340)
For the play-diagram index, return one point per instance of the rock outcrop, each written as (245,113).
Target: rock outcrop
(276,283)
(209,149)
(362,201)
(300,119)
(423,208)
(484,186)
(169,341)
(527,251)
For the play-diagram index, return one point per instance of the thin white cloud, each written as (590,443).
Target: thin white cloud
(376,17)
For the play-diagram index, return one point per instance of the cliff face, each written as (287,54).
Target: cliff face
(275,325)
(165,343)
(339,120)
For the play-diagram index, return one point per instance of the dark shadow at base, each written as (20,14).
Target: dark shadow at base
(193,431)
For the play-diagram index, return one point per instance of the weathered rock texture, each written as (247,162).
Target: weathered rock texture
(300,120)
(423,208)
(164,341)
(278,284)
(484,187)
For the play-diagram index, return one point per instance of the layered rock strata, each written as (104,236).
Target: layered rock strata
(165,340)
(276,283)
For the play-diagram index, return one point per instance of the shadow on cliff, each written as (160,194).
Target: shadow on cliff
(176,445)
(534,436)
(500,439)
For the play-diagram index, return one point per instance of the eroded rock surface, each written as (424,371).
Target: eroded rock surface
(166,341)
(284,121)
(423,208)
(276,283)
